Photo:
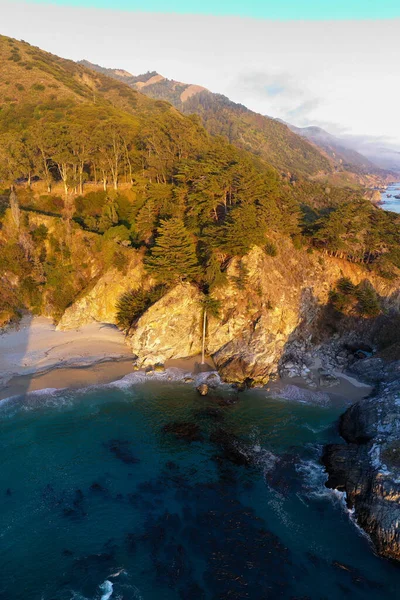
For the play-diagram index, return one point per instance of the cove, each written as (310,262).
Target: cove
(151,491)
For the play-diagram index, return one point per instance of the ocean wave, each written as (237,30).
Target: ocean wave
(315,477)
(261,456)
(297,394)
(61,397)
(106,589)
(172,374)
(43,398)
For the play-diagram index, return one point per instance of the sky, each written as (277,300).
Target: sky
(308,62)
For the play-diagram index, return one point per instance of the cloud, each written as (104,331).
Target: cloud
(281,94)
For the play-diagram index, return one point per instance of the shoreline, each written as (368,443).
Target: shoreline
(72,377)
(35,356)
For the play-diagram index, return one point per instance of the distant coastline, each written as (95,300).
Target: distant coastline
(388,199)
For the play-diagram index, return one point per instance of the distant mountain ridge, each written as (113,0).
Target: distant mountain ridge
(311,151)
(263,136)
(336,150)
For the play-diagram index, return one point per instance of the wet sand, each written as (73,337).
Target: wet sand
(34,355)
(67,377)
(349,388)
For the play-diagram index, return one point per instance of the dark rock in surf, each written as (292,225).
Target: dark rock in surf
(367,468)
(97,487)
(232,447)
(211,413)
(190,432)
(122,451)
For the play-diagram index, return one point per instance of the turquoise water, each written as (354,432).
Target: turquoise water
(99,502)
(388,200)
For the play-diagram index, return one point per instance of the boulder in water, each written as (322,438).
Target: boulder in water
(367,467)
(202,389)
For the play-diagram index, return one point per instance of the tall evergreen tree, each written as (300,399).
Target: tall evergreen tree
(173,257)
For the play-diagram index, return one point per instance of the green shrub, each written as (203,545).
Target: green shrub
(270,248)
(38,87)
(368,301)
(118,234)
(242,278)
(345,286)
(339,301)
(134,303)
(40,233)
(362,298)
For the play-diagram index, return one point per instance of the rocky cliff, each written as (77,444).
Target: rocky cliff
(268,304)
(98,303)
(367,468)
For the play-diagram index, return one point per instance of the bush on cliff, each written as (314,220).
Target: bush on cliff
(134,303)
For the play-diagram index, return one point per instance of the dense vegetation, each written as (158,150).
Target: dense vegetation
(361,300)
(102,174)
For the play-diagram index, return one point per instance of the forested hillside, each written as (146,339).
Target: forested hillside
(267,138)
(95,175)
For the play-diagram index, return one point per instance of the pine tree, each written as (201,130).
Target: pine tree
(173,257)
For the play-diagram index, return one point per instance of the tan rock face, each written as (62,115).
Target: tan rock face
(171,328)
(265,301)
(99,303)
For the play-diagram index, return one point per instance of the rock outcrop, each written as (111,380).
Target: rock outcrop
(367,467)
(171,328)
(269,312)
(99,302)
(262,318)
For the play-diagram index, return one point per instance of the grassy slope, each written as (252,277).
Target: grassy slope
(31,77)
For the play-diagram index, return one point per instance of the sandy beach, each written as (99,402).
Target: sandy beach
(34,355)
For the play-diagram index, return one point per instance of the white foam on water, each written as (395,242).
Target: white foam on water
(106,589)
(172,374)
(46,397)
(57,397)
(276,502)
(117,573)
(266,459)
(42,392)
(294,393)
(315,477)
(314,429)
(77,596)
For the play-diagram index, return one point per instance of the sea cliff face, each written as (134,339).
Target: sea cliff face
(367,467)
(267,304)
(98,303)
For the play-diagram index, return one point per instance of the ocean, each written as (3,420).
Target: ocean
(388,200)
(143,489)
